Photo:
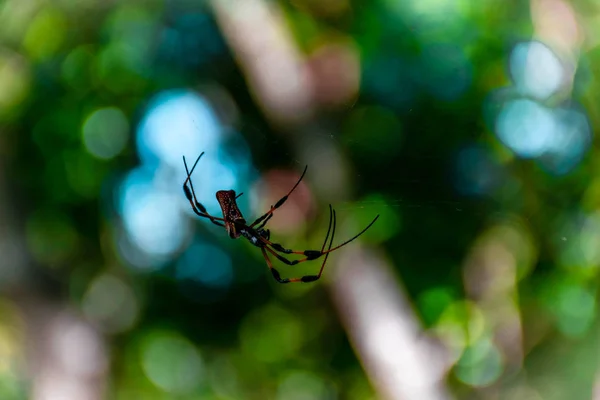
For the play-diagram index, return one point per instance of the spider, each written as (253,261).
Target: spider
(236,226)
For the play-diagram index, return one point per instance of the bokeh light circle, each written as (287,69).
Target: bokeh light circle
(526,127)
(535,70)
(171,362)
(150,216)
(105,132)
(178,122)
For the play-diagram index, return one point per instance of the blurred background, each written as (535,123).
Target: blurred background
(467,126)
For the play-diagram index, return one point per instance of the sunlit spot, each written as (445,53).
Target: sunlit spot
(105,132)
(480,364)
(150,215)
(178,122)
(461,324)
(153,222)
(526,127)
(171,362)
(535,70)
(433,302)
(46,33)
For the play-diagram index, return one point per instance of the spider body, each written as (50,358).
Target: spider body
(232,215)
(236,226)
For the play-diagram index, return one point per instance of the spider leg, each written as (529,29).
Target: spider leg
(273,270)
(279,203)
(306,278)
(262,224)
(323,247)
(190,194)
(310,254)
